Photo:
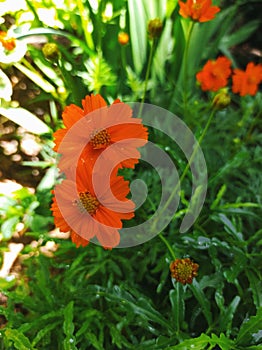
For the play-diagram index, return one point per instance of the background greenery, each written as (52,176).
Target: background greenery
(90,298)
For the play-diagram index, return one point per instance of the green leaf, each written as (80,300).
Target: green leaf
(49,31)
(138,306)
(68,327)
(178,305)
(21,342)
(241,35)
(94,341)
(25,119)
(98,74)
(253,325)
(228,314)
(138,25)
(195,343)
(37,79)
(202,300)
(256,287)
(48,180)
(8,226)
(223,342)
(43,332)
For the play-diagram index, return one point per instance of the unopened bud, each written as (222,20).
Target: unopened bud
(222,99)
(51,51)
(123,38)
(154,28)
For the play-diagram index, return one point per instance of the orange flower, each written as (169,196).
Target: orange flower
(184,270)
(91,130)
(247,82)
(92,208)
(214,74)
(198,10)
(8,43)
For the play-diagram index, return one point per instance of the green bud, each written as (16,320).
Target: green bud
(155,27)
(222,99)
(51,51)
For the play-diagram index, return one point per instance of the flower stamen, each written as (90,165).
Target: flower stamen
(183,270)
(100,139)
(86,202)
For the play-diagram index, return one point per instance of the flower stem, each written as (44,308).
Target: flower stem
(149,64)
(84,21)
(168,246)
(185,62)
(172,195)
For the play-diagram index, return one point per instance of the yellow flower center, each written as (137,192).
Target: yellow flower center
(87,202)
(100,139)
(183,270)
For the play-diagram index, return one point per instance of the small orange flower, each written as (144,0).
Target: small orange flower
(198,10)
(8,43)
(123,38)
(184,270)
(89,211)
(95,128)
(247,82)
(214,74)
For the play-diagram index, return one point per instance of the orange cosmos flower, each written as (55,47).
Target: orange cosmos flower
(89,211)
(198,10)
(184,270)
(96,127)
(8,43)
(214,74)
(247,82)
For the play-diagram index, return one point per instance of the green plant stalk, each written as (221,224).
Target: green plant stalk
(149,65)
(168,246)
(37,19)
(185,61)
(189,162)
(84,21)
(123,57)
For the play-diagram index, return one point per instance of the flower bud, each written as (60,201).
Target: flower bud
(51,51)
(221,100)
(123,38)
(155,27)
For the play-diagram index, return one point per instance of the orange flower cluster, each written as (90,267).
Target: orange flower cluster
(247,82)
(8,43)
(184,270)
(216,73)
(96,141)
(198,10)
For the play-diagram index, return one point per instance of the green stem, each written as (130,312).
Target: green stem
(149,64)
(84,21)
(189,162)
(123,57)
(168,246)
(36,19)
(185,61)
